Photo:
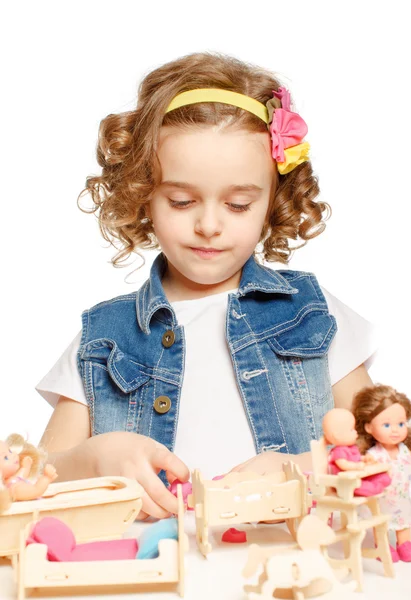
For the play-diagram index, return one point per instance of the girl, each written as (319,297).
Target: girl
(381,415)
(216,357)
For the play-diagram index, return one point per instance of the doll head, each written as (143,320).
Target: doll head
(381,415)
(9,461)
(339,427)
(131,154)
(13,450)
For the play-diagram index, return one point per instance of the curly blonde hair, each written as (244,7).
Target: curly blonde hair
(127,145)
(370,402)
(18,444)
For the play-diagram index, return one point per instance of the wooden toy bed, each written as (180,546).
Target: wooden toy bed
(97,508)
(248,498)
(35,572)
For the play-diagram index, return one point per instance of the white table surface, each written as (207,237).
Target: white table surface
(218,577)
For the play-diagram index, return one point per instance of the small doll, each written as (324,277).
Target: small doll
(20,460)
(339,430)
(381,416)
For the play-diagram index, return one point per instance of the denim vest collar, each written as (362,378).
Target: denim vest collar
(151,298)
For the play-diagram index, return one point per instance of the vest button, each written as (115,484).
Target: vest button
(168,338)
(162,404)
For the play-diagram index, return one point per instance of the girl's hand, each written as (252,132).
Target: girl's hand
(264,463)
(369,459)
(141,458)
(271,462)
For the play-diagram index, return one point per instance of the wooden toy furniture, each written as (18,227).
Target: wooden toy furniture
(299,571)
(97,508)
(336,493)
(247,498)
(34,571)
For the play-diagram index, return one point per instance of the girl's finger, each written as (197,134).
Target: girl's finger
(170,477)
(240,467)
(142,516)
(159,494)
(152,509)
(162,458)
(149,507)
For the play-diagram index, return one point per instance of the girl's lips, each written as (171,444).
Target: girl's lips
(206,252)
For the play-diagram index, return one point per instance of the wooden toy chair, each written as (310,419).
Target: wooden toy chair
(336,493)
(299,571)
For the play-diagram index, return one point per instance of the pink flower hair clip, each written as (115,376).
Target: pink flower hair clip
(287,131)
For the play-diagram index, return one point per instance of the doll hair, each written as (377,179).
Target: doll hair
(370,402)
(126,151)
(21,447)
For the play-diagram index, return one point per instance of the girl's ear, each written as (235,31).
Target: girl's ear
(367,428)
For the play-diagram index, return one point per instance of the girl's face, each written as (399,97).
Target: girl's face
(209,210)
(390,426)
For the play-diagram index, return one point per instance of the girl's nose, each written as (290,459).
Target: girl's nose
(208,222)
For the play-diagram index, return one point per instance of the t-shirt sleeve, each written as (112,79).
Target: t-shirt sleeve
(354,343)
(64,378)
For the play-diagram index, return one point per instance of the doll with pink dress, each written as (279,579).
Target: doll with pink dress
(381,417)
(19,462)
(339,430)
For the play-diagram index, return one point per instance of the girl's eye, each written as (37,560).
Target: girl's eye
(6,458)
(239,207)
(179,203)
(386,425)
(402,424)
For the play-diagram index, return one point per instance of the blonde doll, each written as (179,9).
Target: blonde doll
(20,461)
(381,419)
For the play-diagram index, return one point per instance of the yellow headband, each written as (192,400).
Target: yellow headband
(293,155)
(224,96)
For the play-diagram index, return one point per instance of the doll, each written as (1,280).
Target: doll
(339,430)
(381,415)
(20,460)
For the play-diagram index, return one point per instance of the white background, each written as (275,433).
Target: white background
(66,65)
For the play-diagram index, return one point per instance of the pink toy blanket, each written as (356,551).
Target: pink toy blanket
(61,544)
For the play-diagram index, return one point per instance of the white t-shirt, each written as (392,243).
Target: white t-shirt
(213,432)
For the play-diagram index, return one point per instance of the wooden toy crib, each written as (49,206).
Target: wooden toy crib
(247,498)
(34,571)
(97,508)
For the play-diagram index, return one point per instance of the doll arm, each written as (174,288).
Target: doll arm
(25,468)
(25,490)
(349,465)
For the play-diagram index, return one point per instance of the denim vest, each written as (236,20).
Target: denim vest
(278,331)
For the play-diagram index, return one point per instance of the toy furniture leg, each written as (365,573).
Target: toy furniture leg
(345,541)
(293,525)
(323,512)
(355,559)
(202,530)
(382,549)
(204,544)
(351,536)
